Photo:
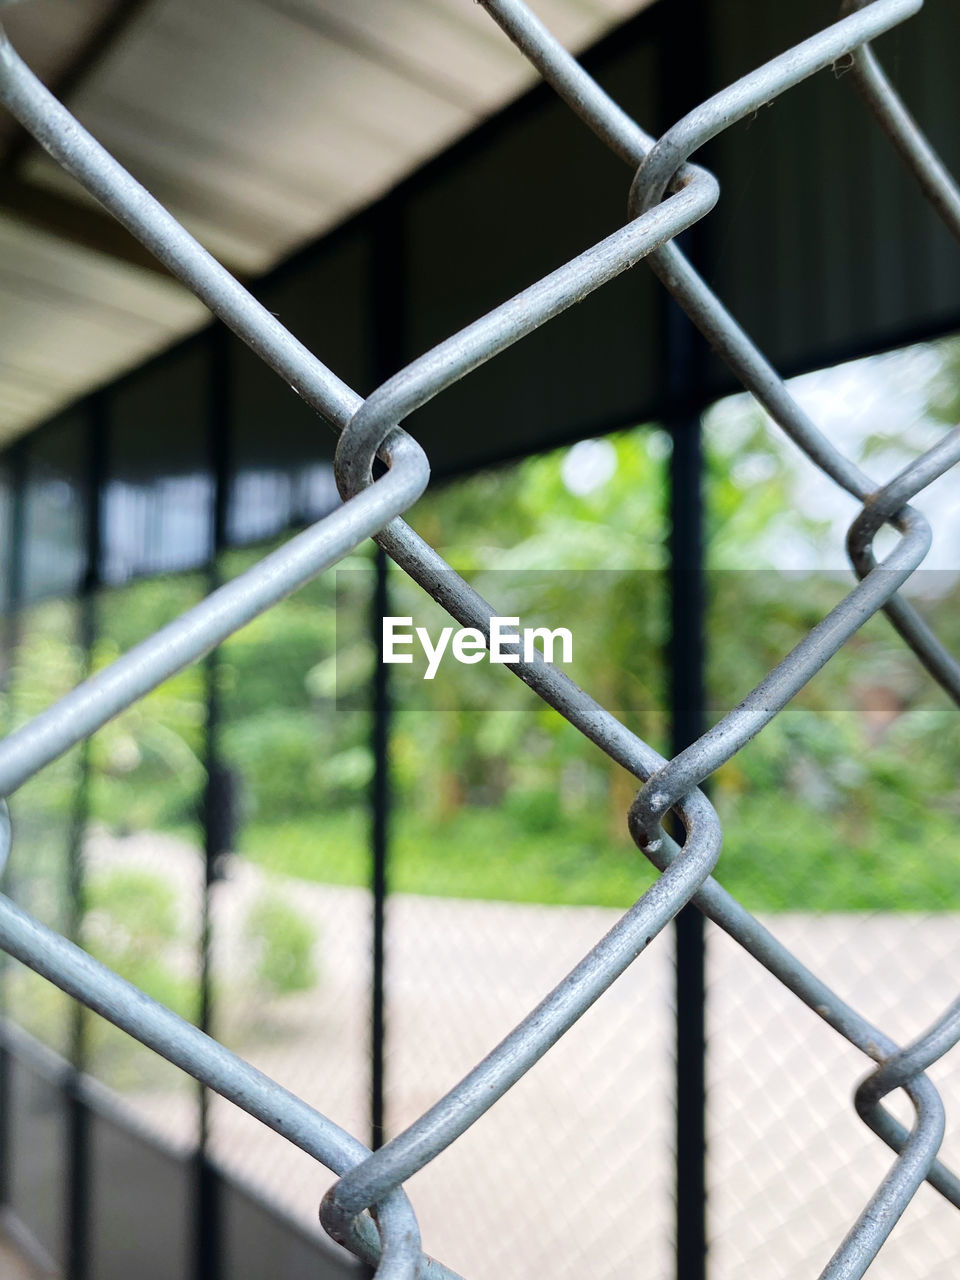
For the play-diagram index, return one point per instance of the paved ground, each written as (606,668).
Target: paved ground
(14,1263)
(13,1266)
(569,1176)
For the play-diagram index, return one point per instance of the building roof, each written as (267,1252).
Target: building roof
(261,124)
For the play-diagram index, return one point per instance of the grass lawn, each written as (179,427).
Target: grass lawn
(775,857)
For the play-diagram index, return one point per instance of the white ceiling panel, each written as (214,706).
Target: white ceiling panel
(65,311)
(260,123)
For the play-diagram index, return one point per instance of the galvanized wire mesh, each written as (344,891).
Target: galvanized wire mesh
(667,195)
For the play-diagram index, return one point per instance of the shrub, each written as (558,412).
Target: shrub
(282,944)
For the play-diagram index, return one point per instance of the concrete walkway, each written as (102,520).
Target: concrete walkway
(15,1261)
(570,1175)
(13,1265)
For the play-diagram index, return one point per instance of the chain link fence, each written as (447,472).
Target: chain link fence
(367,1209)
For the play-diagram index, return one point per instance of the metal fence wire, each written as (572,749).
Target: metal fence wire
(367,1209)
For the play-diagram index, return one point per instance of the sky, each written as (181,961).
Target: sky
(852,404)
(880,395)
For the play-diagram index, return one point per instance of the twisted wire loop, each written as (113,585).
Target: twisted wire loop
(367,1209)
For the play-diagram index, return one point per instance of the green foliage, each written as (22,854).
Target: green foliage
(133,924)
(332,849)
(47,663)
(817,817)
(282,943)
(148,762)
(476,852)
(944,403)
(836,805)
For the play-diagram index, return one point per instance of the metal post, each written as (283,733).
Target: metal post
(687,699)
(379,836)
(207,1259)
(13,605)
(685,356)
(388,312)
(78,1126)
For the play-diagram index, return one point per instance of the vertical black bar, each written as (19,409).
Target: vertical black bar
(78,1127)
(207,1258)
(379,835)
(687,697)
(685,82)
(11,639)
(387,312)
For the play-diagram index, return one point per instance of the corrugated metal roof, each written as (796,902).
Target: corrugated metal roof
(259,123)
